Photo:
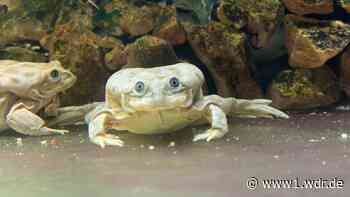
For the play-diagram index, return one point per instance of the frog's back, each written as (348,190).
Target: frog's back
(19,76)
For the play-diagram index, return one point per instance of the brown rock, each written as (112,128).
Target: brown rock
(15,29)
(345,71)
(246,86)
(172,31)
(133,20)
(304,88)
(259,17)
(150,51)
(22,54)
(302,7)
(137,22)
(116,58)
(346,5)
(221,49)
(79,50)
(11,4)
(311,43)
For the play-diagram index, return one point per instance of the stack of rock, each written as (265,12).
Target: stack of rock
(316,36)
(96,38)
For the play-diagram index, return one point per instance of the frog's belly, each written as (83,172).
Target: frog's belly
(158,122)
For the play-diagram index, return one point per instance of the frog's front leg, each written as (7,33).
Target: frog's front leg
(22,120)
(98,128)
(217,117)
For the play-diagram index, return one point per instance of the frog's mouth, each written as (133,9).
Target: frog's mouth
(157,103)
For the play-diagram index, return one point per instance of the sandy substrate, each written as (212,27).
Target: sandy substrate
(308,146)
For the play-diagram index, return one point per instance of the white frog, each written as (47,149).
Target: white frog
(26,88)
(166,99)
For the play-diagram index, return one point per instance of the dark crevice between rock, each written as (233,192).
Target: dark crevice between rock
(264,73)
(185,52)
(266,63)
(127,39)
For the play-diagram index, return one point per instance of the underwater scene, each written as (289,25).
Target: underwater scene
(207,98)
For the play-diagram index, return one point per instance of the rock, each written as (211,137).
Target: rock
(70,11)
(221,49)
(22,54)
(194,11)
(140,18)
(11,4)
(3,10)
(150,51)
(133,20)
(311,43)
(168,26)
(304,88)
(345,4)
(17,28)
(32,19)
(137,22)
(116,58)
(80,50)
(302,7)
(246,86)
(345,71)
(259,18)
(171,30)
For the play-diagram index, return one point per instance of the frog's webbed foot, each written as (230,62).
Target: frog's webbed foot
(57,131)
(255,108)
(209,135)
(107,139)
(22,120)
(97,131)
(219,126)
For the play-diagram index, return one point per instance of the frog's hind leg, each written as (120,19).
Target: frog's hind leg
(73,115)
(242,107)
(98,127)
(216,108)
(22,120)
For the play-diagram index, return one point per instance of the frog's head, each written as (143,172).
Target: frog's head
(154,89)
(55,79)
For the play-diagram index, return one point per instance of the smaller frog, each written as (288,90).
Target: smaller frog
(25,89)
(166,99)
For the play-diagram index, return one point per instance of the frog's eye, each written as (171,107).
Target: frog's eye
(55,75)
(139,87)
(139,90)
(174,82)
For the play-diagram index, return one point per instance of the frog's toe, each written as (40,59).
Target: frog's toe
(209,135)
(59,131)
(107,140)
(201,136)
